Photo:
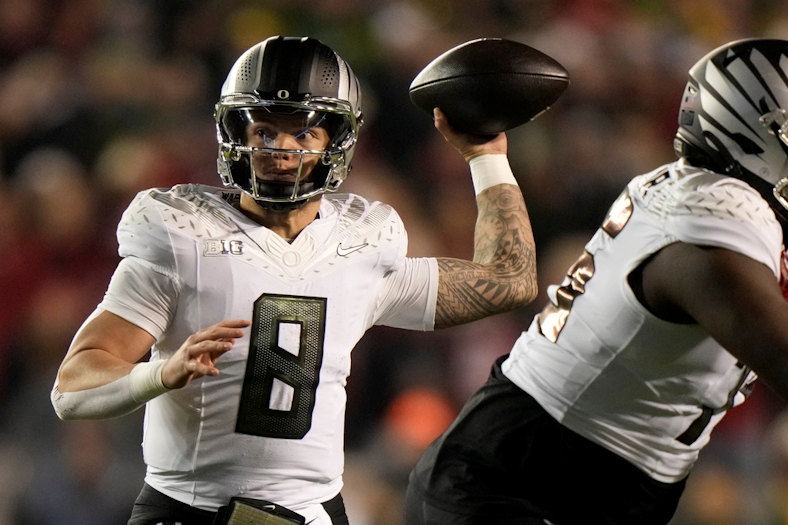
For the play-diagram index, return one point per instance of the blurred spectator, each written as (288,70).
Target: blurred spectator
(776,482)
(78,482)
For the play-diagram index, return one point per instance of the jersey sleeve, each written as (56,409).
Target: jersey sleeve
(144,288)
(728,214)
(410,295)
(141,294)
(142,233)
(410,291)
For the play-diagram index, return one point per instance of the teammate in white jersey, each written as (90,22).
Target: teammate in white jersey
(599,412)
(252,297)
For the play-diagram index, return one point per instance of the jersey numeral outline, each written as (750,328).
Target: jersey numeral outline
(270,366)
(552,318)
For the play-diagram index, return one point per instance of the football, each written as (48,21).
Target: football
(489,85)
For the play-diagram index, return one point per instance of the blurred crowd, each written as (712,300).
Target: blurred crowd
(100,99)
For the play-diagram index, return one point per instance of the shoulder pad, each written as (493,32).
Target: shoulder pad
(160,221)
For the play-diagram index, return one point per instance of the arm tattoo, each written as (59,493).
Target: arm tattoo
(502,275)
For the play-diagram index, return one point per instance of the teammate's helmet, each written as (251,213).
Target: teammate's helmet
(302,84)
(734,117)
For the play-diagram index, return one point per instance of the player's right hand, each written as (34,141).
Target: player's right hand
(468,144)
(198,354)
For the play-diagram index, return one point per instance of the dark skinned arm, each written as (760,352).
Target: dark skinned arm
(733,297)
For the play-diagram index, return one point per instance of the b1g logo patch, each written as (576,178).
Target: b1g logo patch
(216,247)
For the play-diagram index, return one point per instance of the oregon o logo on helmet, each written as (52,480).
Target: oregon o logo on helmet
(283,93)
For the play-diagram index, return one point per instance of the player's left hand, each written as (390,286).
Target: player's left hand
(468,144)
(197,356)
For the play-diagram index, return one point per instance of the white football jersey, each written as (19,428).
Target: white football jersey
(601,364)
(271,425)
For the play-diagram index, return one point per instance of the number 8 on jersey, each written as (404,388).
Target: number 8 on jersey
(283,367)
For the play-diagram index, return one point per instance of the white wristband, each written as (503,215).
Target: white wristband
(489,170)
(145,380)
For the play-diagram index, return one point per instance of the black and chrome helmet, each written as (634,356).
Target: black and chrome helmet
(292,85)
(734,117)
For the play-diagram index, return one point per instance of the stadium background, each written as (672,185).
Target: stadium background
(102,98)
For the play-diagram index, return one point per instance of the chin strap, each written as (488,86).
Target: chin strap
(281,206)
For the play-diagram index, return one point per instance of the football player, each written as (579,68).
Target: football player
(253,295)
(599,412)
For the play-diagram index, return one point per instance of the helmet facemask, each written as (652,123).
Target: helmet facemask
(777,123)
(283,153)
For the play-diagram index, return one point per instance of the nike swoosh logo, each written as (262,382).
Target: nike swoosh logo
(343,251)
